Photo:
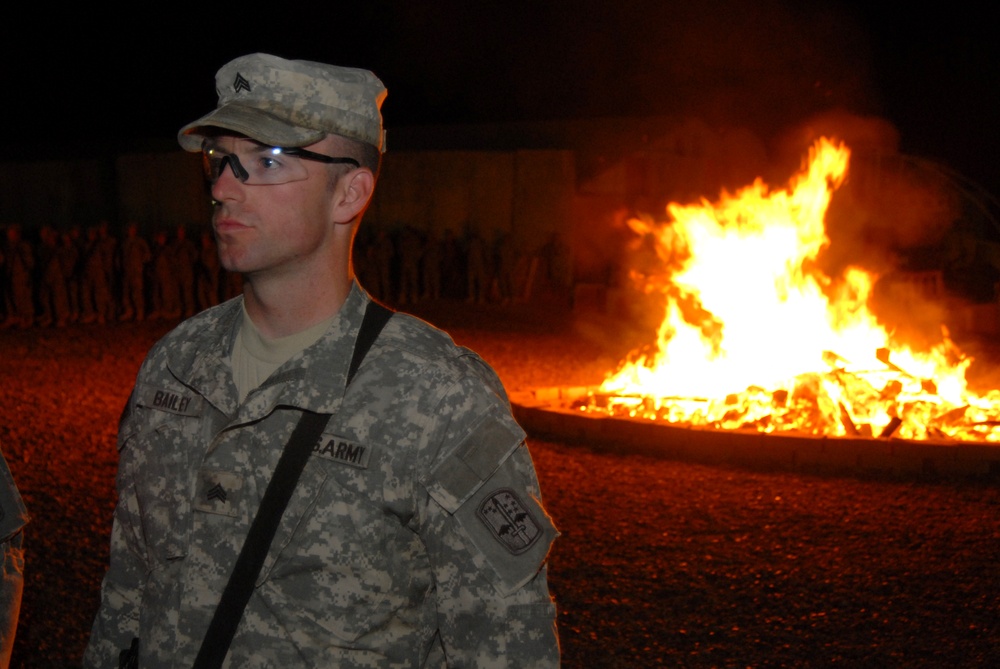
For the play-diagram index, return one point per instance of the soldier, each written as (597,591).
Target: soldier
(430,266)
(135,257)
(380,256)
(52,294)
(19,259)
(410,252)
(107,250)
(95,293)
(166,292)
(453,278)
(414,536)
(69,258)
(184,256)
(477,274)
(506,264)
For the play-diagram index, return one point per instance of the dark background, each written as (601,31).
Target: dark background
(96,79)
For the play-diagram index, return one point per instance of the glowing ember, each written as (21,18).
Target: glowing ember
(755,335)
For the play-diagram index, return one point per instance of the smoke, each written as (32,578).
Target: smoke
(890,206)
(895,216)
(862,134)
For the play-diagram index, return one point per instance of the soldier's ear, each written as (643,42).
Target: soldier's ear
(353,192)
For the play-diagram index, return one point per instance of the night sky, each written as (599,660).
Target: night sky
(90,79)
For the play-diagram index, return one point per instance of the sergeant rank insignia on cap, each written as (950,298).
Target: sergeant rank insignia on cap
(240,83)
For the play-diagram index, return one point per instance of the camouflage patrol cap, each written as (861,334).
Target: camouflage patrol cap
(292,103)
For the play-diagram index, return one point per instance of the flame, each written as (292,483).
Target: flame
(756,335)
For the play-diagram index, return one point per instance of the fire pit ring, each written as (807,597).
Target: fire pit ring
(546,413)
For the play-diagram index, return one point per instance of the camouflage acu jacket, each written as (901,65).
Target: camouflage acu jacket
(415,537)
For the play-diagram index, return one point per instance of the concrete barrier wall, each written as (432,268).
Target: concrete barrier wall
(162,190)
(58,193)
(445,190)
(527,193)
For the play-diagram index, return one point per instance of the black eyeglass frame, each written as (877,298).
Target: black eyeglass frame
(242,175)
(317,157)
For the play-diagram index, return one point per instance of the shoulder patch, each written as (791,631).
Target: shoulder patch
(510,521)
(506,524)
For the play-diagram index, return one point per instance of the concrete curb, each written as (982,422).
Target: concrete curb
(543,414)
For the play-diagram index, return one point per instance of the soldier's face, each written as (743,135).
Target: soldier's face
(273,228)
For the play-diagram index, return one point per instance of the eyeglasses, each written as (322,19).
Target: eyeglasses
(258,164)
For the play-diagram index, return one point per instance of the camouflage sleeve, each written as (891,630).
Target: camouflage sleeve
(117,620)
(11,589)
(488,537)
(13,517)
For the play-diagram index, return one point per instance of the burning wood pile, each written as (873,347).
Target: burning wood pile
(755,335)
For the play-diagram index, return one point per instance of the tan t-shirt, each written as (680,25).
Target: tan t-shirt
(255,357)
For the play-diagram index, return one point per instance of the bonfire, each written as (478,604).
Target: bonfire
(755,335)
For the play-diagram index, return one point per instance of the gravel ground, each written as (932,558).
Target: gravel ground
(660,563)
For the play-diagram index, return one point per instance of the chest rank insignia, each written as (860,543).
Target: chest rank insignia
(341,450)
(218,492)
(509,520)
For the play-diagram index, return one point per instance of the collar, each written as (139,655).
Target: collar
(313,379)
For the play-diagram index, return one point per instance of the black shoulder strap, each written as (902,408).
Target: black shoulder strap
(235,597)
(376,316)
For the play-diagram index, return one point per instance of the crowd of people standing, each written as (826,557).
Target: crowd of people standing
(409,265)
(92,275)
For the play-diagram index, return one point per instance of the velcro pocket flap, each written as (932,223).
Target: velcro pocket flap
(462,473)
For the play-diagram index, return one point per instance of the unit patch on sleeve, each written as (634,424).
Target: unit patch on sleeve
(339,449)
(509,520)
